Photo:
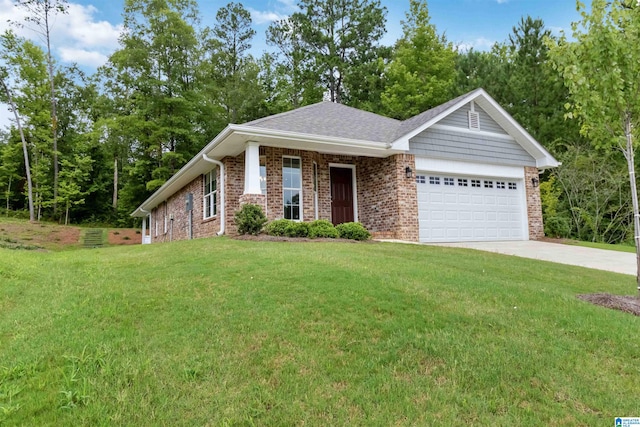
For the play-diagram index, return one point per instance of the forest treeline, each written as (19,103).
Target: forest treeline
(100,144)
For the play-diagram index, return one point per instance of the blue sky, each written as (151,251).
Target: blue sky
(88,34)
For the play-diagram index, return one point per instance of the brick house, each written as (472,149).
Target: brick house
(463,171)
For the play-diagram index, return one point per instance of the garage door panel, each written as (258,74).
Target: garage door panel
(485,209)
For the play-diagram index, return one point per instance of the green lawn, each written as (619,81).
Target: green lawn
(607,246)
(225,332)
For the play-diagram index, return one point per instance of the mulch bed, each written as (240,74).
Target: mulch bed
(267,238)
(626,303)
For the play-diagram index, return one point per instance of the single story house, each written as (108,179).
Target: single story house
(462,171)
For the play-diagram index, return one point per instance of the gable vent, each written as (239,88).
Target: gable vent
(474,120)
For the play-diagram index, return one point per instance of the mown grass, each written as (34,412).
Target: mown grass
(226,332)
(607,246)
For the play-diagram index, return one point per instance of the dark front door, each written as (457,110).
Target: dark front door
(341,195)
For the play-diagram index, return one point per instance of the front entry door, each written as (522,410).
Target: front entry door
(341,195)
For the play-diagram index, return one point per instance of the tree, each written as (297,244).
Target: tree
(152,82)
(294,77)
(73,178)
(13,55)
(421,74)
(334,39)
(13,107)
(601,71)
(231,73)
(535,92)
(40,14)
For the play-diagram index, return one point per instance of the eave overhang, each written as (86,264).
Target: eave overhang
(232,141)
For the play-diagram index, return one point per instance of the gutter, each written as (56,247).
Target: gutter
(222,205)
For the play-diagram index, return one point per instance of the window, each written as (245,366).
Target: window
(475,183)
(488,184)
(421,179)
(449,181)
(315,190)
(500,184)
(263,175)
(210,193)
(513,186)
(462,182)
(155,222)
(292,187)
(435,180)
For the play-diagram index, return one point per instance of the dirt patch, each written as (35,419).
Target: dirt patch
(124,236)
(40,234)
(626,303)
(267,238)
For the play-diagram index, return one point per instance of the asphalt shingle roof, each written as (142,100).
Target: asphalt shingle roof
(337,120)
(333,120)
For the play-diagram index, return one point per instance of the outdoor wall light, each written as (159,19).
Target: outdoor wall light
(535,182)
(408,172)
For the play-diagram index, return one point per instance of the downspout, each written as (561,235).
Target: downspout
(222,205)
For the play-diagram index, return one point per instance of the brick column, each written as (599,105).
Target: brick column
(534,203)
(407,198)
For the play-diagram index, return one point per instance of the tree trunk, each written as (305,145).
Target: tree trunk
(24,148)
(54,115)
(629,154)
(115,184)
(9,193)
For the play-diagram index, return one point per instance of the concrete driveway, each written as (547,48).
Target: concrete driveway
(600,259)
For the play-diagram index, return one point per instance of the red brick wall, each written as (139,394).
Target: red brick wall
(534,204)
(387,200)
(389,204)
(178,229)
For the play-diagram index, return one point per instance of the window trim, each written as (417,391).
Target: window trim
(213,173)
(263,179)
(315,189)
(300,189)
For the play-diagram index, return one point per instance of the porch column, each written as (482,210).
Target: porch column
(252,168)
(144,229)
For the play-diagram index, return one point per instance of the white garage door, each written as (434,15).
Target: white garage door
(466,208)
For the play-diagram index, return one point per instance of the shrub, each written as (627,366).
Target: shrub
(353,230)
(297,229)
(557,226)
(278,227)
(250,219)
(322,228)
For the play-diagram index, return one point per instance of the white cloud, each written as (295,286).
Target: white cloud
(259,17)
(82,56)
(76,36)
(80,26)
(481,43)
(291,6)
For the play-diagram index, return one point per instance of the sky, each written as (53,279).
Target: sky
(89,32)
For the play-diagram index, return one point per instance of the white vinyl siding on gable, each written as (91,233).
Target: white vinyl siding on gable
(460,119)
(210,194)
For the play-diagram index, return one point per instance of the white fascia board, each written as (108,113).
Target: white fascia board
(456,167)
(524,138)
(182,177)
(255,132)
